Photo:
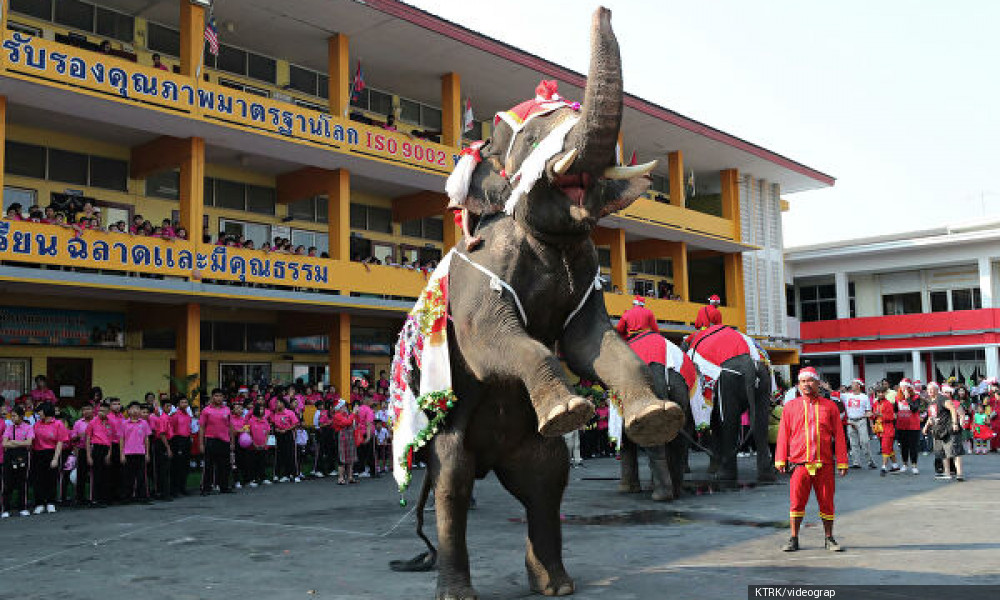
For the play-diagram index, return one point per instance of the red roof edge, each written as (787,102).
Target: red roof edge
(472,38)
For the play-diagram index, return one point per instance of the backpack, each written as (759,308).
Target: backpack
(942,424)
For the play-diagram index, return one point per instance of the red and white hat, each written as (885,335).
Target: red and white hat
(714,300)
(933,384)
(947,389)
(639,301)
(811,372)
(859,382)
(906,382)
(244,390)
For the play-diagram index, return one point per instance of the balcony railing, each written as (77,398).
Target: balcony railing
(68,67)
(26,243)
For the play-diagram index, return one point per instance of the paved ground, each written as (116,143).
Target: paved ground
(318,540)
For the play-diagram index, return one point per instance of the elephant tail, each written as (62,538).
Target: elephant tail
(425,561)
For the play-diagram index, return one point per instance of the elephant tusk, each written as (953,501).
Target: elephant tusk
(630,172)
(563,164)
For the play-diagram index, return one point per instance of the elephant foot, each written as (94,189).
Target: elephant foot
(663,495)
(625,487)
(655,423)
(548,584)
(464,592)
(566,418)
(726,475)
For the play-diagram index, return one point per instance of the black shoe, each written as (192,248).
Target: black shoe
(226,491)
(872,466)
(205,492)
(792,545)
(960,478)
(832,545)
(882,473)
(855,466)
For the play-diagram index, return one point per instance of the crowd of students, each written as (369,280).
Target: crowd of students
(250,437)
(911,419)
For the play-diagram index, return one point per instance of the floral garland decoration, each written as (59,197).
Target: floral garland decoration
(439,404)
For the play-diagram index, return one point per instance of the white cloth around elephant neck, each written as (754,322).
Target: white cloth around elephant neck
(533,166)
(498,284)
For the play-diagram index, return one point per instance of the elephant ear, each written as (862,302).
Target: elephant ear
(618,194)
(487,188)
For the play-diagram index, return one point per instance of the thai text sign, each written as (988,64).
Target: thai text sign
(40,59)
(38,326)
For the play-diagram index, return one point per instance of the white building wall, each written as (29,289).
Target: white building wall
(764,269)
(867,296)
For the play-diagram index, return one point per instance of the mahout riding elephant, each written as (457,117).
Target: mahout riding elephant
(740,379)
(529,288)
(675,378)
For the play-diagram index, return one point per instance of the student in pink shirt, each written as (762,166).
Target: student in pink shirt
(162,453)
(239,423)
(101,435)
(366,426)
(41,393)
(116,477)
(326,443)
(16,441)
(286,462)
(259,427)
(51,436)
(216,437)
(180,446)
(135,434)
(78,441)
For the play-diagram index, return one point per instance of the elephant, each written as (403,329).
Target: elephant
(530,287)
(742,382)
(675,382)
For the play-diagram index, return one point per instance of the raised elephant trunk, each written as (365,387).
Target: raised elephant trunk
(596,134)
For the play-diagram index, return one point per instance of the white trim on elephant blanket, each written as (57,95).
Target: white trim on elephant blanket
(423,343)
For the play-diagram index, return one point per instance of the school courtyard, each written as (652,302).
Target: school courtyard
(319,540)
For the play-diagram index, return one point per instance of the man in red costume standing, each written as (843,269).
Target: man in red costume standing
(709,315)
(808,436)
(637,319)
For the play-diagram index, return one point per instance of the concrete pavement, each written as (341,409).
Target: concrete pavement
(319,540)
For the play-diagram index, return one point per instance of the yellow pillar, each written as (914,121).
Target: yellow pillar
(192,37)
(451,109)
(679,262)
(675,168)
(733,265)
(3,137)
(192,192)
(619,261)
(340,354)
(731,199)
(189,344)
(339,71)
(339,214)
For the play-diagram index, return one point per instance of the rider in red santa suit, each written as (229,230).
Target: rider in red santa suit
(637,319)
(808,436)
(709,315)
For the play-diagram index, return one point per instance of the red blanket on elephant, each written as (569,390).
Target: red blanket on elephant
(653,347)
(726,343)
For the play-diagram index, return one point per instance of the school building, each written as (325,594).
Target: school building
(919,304)
(267,138)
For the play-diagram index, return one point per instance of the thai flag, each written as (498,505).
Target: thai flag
(358,85)
(212,37)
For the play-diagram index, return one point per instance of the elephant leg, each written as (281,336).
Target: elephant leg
(593,349)
(537,475)
(713,443)
(453,470)
(729,392)
(663,487)
(629,482)
(676,458)
(513,353)
(760,415)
